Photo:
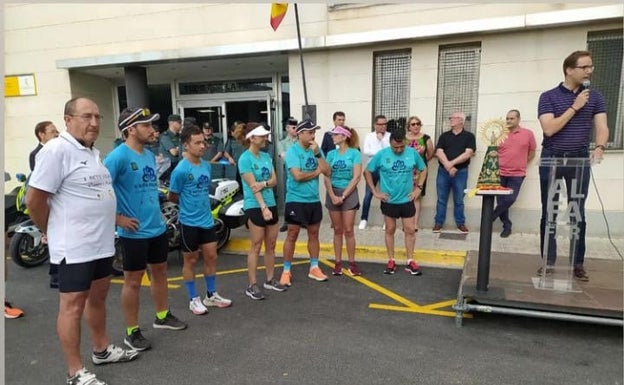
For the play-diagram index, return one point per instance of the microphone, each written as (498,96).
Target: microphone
(586,84)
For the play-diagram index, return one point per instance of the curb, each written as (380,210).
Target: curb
(432,258)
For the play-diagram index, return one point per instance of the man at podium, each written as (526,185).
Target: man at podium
(567,114)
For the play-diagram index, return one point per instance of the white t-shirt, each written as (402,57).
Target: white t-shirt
(372,145)
(81,224)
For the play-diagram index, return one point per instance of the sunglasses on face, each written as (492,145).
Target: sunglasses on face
(415,124)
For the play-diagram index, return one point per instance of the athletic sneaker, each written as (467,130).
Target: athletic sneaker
(254,292)
(197,307)
(12,312)
(316,274)
(170,322)
(549,271)
(217,301)
(114,354)
(412,268)
(354,270)
(362,224)
(286,278)
(272,284)
(137,342)
(337,270)
(84,377)
(390,267)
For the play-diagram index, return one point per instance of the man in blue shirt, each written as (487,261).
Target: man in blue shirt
(304,162)
(140,225)
(567,114)
(396,191)
(190,187)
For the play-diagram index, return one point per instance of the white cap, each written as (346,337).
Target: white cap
(258,131)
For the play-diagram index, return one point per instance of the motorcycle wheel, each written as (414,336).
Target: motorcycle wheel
(118,259)
(24,252)
(223,233)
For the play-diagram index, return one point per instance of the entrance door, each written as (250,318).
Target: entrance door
(212,114)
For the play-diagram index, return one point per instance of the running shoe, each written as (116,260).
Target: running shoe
(337,270)
(354,270)
(12,312)
(112,354)
(286,278)
(254,292)
(170,322)
(137,342)
(390,267)
(217,301)
(412,268)
(272,284)
(197,307)
(84,377)
(316,274)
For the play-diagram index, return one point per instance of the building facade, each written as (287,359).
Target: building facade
(223,62)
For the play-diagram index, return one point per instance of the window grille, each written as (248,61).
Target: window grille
(608,78)
(458,84)
(391,88)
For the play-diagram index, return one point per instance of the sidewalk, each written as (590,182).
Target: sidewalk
(446,249)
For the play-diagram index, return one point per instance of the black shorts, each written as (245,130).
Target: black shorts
(400,210)
(192,237)
(255,216)
(139,252)
(77,277)
(351,202)
(299,213)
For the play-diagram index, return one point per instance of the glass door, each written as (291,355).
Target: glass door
(205,111)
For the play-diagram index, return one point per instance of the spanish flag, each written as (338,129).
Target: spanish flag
(278,11)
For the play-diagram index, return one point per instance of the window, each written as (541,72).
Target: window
(458,84)
(218,87)
(391,86)
(606,50)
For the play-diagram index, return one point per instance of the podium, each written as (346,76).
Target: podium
(568,182)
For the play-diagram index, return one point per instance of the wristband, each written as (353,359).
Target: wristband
(419,186)
(600,146)
(574,109)
(318,155)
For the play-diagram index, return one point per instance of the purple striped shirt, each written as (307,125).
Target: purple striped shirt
(575,135)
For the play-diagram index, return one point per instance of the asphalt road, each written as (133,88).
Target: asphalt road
(319,333)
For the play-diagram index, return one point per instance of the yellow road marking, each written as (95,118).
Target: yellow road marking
(408,306)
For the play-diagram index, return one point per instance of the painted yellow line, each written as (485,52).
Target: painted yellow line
(236,271)
(420,310)
(439,305)
(378,288)
(438,258)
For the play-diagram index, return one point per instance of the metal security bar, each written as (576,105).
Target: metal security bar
(608,78)
(458,84)
(391,88)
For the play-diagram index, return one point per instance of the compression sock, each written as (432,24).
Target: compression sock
(211,284)
(190,287)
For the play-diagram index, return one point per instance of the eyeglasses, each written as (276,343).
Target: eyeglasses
(381,124)
(415,124)
(585,68)
(454,117)
(89,117)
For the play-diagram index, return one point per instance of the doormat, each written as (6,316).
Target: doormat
(454,236)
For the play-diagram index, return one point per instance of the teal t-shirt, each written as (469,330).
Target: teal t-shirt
(396,172)
(342,166)
(304,160)
(261,167)
(192,183)
(135,183)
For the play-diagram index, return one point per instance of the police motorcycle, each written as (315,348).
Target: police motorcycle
(26,247)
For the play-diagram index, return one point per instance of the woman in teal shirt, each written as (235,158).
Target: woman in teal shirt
(258,177)
(342,199)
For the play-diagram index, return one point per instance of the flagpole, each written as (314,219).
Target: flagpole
(305,89)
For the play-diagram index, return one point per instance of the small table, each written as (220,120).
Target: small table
(485,237)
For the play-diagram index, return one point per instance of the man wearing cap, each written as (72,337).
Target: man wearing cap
(283,146)
(170,140)
(71,199)
(304,162)
(140,225)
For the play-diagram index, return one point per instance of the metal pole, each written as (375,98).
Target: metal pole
(485,243)
(305,89)
(543,314)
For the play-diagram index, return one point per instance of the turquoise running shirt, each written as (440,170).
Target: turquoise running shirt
(192,183)
(304,160)
(261,167)
(342,166)
(396,172)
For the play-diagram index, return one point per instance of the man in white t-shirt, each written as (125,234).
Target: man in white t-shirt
(71,199)
(373,142)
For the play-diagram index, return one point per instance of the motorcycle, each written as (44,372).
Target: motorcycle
(26,247)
